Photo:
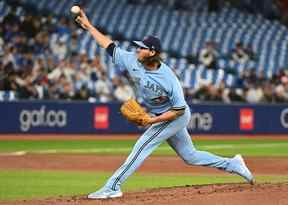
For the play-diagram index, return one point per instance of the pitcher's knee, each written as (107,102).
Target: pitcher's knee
(189,158)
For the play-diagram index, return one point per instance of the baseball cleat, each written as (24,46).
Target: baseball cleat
(105,193)
(239,167)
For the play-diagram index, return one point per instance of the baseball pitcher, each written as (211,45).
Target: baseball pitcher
(168,115)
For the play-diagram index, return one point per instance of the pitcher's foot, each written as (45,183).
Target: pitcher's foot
(238,166)
(105,193)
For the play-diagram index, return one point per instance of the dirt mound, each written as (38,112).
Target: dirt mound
(216,194)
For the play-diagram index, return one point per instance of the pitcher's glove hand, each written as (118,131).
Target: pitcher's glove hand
(134,113)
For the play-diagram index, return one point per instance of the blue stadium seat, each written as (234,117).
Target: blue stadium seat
(184,33)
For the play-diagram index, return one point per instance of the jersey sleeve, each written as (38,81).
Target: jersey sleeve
(122,58)
(176,95)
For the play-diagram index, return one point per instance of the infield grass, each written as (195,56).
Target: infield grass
(27,184)
(247,147)
(42,184)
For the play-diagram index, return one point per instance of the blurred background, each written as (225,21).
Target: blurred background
(60,95)
(222,50)
(226,53)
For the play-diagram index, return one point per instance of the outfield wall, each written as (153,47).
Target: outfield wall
(83,117)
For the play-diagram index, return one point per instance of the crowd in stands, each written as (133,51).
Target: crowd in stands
(209,55)
(34,65)
(250,87)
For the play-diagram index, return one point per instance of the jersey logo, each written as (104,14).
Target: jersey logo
(153,87)
(159,100)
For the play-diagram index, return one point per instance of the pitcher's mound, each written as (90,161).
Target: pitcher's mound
(215,194)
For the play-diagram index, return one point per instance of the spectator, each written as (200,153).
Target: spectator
(254,94)
(201,94)
(52,90)
(214,94)
(69,71)
(59,49)
(102,87)
(62,27)
(268,93)
(261,79)
(82,94)
(80,80)
(48,24)
(65,88)
(30,26)
(235,95)
(57,72)
(41,86)
(97,66)
(240,54)
(50,64)
(41,44)
(9,79)
(73,45)
(11,18)
(281,90)
(249,77)
(85,65)
(26,88)
(123,92)
(208,56)
(281,94)
(11,56)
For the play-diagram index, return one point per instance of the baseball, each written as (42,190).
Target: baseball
(75,9)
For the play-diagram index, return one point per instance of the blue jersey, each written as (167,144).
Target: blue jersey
(160,89)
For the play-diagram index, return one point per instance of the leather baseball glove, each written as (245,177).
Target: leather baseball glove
(134,113)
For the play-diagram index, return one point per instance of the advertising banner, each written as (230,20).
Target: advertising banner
(93,118)
(62,117)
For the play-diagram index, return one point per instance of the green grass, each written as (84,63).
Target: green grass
(27,184)
(41,184)
(247,147)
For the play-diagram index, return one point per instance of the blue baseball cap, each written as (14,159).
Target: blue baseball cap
(150,42)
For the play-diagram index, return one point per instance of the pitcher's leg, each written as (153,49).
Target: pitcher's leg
(184,147)
(146,144)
